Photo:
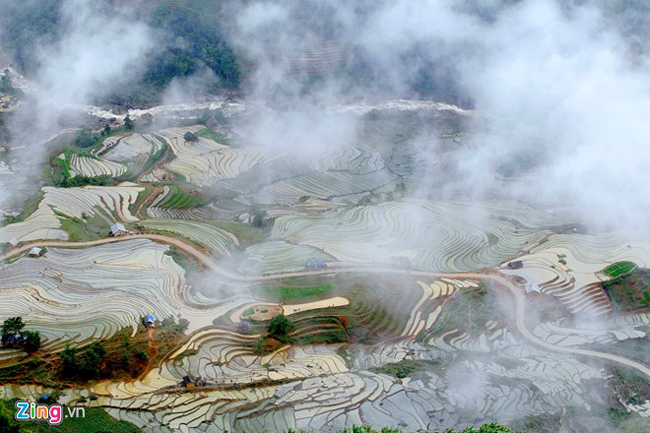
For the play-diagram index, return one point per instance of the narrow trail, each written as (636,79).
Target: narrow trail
(492,276)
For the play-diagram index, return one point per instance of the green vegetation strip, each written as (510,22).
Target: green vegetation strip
(288,293)
(93,228)
(407,368)
(619,268)
(178,199)
(207,133)
(248,312)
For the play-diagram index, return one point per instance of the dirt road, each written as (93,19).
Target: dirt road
(210,263)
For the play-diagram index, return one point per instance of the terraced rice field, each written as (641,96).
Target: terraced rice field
(294,175)
(322,392)
(315,385)
(429,308)
(92,167)
(175,198)
(606,330)
(324,185)
(173,203)
(279,256)
(78,296)
(350,325)
(109,202)
(157,174)
(58,294)
(444,237)
(206,160)
(569,267)
(215,239)
(42,224)
(124,147)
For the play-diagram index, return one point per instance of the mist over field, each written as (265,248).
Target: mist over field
(566,102)
(564,87)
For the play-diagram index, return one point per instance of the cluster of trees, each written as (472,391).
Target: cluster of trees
(192,42)
(280,327)
(116,358)
(169,324)
(87,363)
(15,336)
(106,131)
(79,180)
(95,363)
(128,123)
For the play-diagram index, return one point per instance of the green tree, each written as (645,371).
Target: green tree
(33,341)
(128,123)
(5,83)
(127,359)
(93,357)
(259,216)
(8,423)
(169,323)
(106,130)
(69,358)
(190,137)
(12,326)
(85,138)
(281,326)
(259,345)
(141,355)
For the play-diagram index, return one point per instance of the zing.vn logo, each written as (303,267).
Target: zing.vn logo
(53,413)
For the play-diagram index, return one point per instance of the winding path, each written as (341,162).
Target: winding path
(210,263)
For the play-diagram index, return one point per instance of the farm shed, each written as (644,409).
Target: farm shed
(516,264)
(35,252)
(315,264)
(149,321)
(118,229)
(190,381)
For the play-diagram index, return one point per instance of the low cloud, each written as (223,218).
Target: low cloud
(564,100)
(96,52)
